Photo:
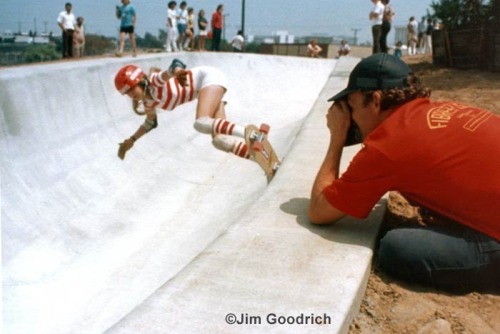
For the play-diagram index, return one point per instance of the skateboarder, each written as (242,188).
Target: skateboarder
(170,88)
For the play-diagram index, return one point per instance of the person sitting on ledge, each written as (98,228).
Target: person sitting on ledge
(313,49)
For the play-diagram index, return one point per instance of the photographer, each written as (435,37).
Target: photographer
(442,155)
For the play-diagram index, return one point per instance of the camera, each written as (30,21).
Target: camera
(353,134)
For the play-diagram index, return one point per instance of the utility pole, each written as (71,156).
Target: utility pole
(356,35)
(224,26)
(243,17)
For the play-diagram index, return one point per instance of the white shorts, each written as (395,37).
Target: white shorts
(203,33)
(208,76)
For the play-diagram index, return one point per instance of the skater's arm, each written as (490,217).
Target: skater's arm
(180,74)
(165,75)
(149,124)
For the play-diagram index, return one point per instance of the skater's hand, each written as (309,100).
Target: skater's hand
(124,147)
(181,76)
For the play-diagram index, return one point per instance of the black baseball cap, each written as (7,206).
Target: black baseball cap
(378,71)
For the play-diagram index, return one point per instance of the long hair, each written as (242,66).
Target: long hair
(138,106)
(395,97)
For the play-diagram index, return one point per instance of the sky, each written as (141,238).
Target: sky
(262,17)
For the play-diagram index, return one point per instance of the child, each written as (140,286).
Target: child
(189,43)
(397,50)
(202,26)
(169,89)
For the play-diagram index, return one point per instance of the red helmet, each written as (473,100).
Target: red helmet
(127,78)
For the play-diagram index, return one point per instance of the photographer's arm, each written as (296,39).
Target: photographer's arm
(320,210)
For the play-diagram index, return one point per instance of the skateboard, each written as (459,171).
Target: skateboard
(261,149)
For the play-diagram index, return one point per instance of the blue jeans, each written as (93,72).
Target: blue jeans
(455,259)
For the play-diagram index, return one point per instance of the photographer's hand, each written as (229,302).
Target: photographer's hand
(338,121)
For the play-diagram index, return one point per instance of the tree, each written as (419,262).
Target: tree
(149,42)
(98,45)
(456,14)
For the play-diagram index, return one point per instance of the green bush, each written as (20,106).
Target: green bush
(39,53)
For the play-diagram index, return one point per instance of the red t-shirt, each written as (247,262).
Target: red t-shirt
(443,155)
(216,20)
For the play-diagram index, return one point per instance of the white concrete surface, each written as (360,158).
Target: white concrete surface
(178,235)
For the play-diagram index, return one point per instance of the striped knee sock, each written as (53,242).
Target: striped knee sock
(230,144)
(224,127)
(241,149)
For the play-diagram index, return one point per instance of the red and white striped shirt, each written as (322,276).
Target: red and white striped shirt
(169,94)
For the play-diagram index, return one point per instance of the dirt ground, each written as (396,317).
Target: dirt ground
(390,306)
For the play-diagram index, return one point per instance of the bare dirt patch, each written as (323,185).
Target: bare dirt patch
(390,306)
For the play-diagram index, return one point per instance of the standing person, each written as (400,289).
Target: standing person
(189,43)
(416,146)
(386,25)
(79,38)
(421,35)
(171,28)
(313,49)
(170,88)
(238,42)
(182,16)
(127,16)
(376,16)
(412,36)
(202,28)
(66,21)
(217,24)
(428,37)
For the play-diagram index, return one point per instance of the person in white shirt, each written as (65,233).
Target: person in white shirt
(412,36)
(238,42)
(172,31)
(376,16)
(66,21)
(182,18)
(344,48)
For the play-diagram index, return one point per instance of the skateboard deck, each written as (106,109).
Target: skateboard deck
(261,149)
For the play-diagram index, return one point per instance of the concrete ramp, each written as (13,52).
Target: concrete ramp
(179,235)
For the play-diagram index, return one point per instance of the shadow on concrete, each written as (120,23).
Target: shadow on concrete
(347,230)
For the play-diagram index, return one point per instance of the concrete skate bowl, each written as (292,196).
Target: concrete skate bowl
(87,237)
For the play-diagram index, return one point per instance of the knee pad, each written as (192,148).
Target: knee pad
(204,125)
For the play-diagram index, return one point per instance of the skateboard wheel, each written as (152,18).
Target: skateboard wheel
(258,146)
(264,128)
